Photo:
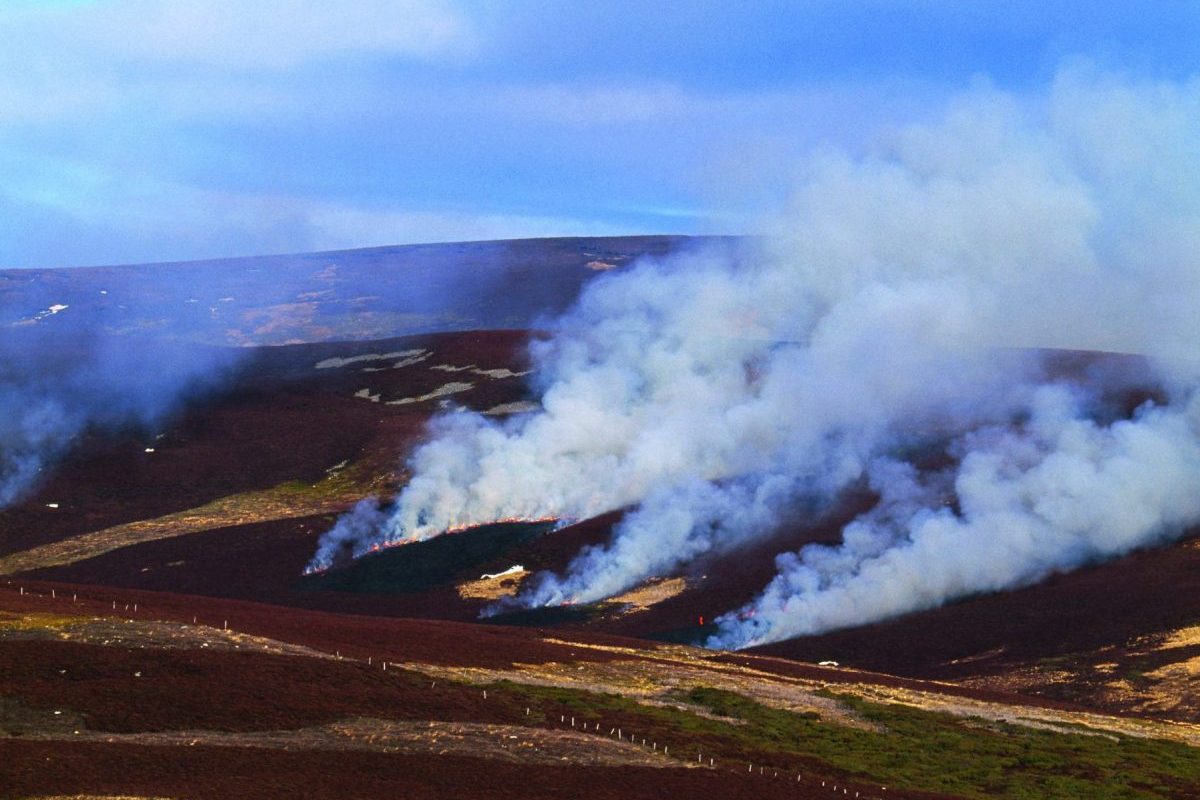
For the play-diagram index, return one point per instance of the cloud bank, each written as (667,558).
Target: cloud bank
(894,311)
(135,131)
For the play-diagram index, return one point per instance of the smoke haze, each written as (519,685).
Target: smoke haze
(62,376)
(893,310)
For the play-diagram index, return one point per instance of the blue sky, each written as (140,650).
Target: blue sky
(145,130)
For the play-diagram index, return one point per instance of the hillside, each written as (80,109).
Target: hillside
(158,637)
(372,293)
(129,692)
(232,499)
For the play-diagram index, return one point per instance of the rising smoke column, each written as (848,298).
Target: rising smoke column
(894,306)
(675,377)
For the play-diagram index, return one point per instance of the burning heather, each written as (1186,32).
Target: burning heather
(905,307)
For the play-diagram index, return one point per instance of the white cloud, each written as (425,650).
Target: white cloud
(168,220)
(218,59)
(585,106)
(342,226)
(278,34)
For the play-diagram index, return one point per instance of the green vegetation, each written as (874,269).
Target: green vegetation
(351,480)
(939,752)
(907,747)
(425,565)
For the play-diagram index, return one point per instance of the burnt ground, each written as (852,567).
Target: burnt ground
(264,561)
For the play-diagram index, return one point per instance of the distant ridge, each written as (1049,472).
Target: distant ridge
(364,293)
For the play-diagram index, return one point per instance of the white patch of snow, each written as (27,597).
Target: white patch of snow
(441,391)
(519,407)
(408,362)
(487,373)
(334,363)
(496,374)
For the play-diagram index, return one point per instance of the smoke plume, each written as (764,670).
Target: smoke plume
(62,377)
(903,304)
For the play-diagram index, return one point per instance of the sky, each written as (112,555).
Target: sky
(143,130)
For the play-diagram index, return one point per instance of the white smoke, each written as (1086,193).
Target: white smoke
(1059,493)
(70,377)
(718,392)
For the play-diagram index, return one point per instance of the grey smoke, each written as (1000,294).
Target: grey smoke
(893,307)
(1058,494)
(65,376)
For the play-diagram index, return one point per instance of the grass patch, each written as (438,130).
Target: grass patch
(12,621)
(354,480)
(914,749)
(942,753)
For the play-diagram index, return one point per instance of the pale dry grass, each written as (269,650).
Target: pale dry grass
(660,675)
(11,621)
(135,633)
(650,593)
(1174,691)
(662,682)
(514,743)
(1183,637)
(286,501)
(493,588)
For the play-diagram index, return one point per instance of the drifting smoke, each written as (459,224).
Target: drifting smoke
(63,377)
(720,392)
(1060,493)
